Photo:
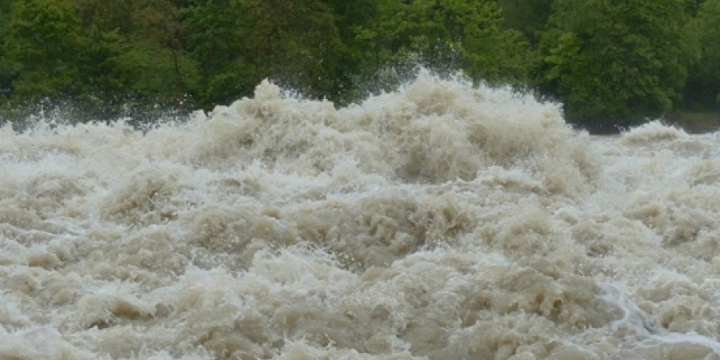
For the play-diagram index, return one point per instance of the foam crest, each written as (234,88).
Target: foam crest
(652,132)
(431,131)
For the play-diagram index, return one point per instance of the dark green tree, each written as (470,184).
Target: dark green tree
(135,54)
(237,43)
(693,6)
(96,57)
(447,35)
(294,42)
(489,52)
(703,89)
(527,16)
(356,63)
(9,69)
(45,37)
(617,61)
(155,54)
(215,42)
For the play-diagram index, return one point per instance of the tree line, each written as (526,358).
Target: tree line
(607,61)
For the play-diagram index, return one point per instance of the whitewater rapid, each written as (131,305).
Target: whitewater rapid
(440,221)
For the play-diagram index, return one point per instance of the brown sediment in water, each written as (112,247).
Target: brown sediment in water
(440,221)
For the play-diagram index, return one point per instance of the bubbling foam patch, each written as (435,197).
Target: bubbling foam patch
(439,221)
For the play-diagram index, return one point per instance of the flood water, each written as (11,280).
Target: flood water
(442,221)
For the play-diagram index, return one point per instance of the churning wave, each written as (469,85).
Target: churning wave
(439,221)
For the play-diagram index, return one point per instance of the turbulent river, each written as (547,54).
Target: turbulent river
(441,221)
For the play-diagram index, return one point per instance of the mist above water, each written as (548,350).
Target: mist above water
(440,221)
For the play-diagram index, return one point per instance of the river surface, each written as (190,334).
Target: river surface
(441,221)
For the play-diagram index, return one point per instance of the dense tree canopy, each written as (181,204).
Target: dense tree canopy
(703,90)
(8,70)
(607,61)
(44,37)
(527,16)
(445,35)
(238,43)
(616,59)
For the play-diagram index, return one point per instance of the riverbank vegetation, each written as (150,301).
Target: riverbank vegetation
(609,62)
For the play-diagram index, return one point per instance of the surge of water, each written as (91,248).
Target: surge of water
(440,221)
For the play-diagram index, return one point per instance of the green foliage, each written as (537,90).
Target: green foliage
(527,16)
(214,38)
(394,38)
(9,69)
(136,50)
(620,60)
(101,57)
(704,83)
(44,36)
(355,59)
(239,43)
(446,35)
(692,7)
(294,42)
(606,60)
(489,53)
